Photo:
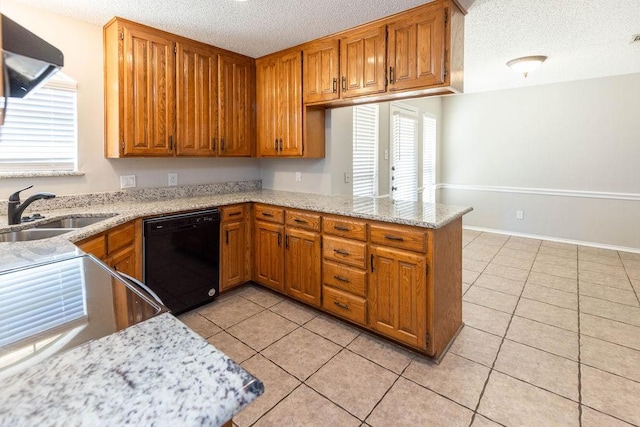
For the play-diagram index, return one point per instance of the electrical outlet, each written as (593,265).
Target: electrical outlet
(173,179)
(519,214)
(347,177)
(386,154)
(298,176)
(127,181)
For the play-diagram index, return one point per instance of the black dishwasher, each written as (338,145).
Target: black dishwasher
(182,257)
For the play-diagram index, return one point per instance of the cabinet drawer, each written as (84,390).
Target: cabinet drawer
(345,251)
(348,279)
(120,237)
(269,213)
(345,227)
(95,246)
(344,304)
(410,238)
(306,220)
(232,213)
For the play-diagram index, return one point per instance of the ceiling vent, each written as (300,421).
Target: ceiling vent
(635,38)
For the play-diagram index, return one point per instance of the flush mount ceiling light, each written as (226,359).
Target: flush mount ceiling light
(526,64)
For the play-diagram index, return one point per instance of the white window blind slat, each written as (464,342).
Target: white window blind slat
(429,158)
(36,300)
(40,132)
(365,147)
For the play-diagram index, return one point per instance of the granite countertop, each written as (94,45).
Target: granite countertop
(160,202)
(157,371)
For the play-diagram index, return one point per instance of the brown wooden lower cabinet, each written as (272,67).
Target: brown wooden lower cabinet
(235,244)
(397,295)
(121,249)
(302,265)
(399,281)
(269,255)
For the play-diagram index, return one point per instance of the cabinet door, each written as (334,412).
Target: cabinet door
(397,295)
(362,62)
(267,106)
(233,254)
(148,125)
(416,50)
(269,255)
(302,265)
(236,90)
(320,73)
(290,105)
(197,100)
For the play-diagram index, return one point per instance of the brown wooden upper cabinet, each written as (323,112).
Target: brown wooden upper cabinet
(167,95)
(362,61)
(237,95)
(285,127)
(320,77)
(197,100)
(414,53)
(417,49)
(279,98)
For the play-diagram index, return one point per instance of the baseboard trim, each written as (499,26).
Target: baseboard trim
(554,239)
(543,191)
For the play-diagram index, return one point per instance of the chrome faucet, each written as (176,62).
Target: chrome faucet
(14,213)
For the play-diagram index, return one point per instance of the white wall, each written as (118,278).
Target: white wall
(81,44)
(581,136)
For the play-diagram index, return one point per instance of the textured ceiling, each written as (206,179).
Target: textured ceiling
(582,38)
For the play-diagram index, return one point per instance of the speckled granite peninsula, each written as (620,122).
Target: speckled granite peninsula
(158,372)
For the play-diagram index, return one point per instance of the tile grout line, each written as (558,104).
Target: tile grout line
(486,382)
(579,346)
(633,288)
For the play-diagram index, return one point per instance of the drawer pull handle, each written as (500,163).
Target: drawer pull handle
(341,227)
(341,305)
(341,279)
(341,252)
(267,214)
(395,238)
(234,213)
(300,221)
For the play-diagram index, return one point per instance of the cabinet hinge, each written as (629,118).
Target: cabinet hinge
(175,49)
(445,72)
(122,147)
(426,338)
(446,17)
(122,35)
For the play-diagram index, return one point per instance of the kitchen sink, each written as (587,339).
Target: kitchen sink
(31,234)
(73,222)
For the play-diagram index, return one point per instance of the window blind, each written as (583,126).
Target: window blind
(404,171)
(39,299)
(429,158)
(365,149)
(40,132)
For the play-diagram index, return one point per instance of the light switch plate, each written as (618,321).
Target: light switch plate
(298,176)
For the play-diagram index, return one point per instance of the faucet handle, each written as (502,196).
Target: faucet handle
(15,197)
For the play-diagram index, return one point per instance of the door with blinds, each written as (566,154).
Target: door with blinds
(404,148)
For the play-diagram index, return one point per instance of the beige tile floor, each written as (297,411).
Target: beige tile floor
(552,337)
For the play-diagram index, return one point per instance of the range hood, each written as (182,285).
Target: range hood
(28,60)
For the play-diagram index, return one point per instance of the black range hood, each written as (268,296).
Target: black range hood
(28,60)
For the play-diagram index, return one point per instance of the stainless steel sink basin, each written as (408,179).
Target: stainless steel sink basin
(73,222)
(31,234)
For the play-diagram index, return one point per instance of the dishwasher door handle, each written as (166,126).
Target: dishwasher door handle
(142,285)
